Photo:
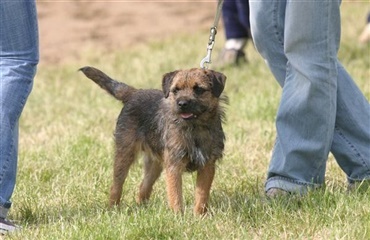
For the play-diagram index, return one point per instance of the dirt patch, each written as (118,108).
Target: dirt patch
(68,28)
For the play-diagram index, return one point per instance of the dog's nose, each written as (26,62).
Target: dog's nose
(182,103)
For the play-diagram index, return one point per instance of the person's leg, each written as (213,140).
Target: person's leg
(18,61)
(237,34)
(234,28)
(237,24)
(306,115)
(351,135)
(351,142)
(267,29)
(243,15)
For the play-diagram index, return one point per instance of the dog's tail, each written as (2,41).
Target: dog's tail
(119,90)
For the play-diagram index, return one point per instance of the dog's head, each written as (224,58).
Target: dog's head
(194,92)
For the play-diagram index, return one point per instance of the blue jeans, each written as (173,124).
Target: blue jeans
(321,108)
(19,56)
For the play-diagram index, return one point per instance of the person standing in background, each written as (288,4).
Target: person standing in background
(235,14)
(19,56)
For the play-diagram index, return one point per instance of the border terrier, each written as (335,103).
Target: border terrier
(179,129)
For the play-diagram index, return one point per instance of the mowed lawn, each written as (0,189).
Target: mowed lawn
(66,154)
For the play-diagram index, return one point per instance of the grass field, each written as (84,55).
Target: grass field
(66,152)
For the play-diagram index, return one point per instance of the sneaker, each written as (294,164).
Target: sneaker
(7,226)
(276,192)
(365,35)
(229,57)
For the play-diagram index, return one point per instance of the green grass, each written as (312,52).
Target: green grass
(66,152)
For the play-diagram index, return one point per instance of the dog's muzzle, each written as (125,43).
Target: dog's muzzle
(185,109)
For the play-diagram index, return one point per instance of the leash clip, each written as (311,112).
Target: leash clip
(211,43)
(207,59)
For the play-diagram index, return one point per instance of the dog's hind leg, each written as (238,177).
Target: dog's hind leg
(125,156)
(152,171)
(203,186)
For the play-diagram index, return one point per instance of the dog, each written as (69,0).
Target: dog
(179,129)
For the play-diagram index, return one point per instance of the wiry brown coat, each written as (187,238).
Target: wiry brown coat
(178,129)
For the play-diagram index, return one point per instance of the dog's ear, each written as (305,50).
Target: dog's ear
(218,82)
(167,81)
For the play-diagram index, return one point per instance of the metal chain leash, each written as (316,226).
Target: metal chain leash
(212,35)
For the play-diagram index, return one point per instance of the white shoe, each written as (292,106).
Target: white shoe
(365,35)
(7,226)
(276,192)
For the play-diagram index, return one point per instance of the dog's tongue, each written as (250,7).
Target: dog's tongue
(186,115)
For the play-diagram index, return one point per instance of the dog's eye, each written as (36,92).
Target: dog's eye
(175,90)
(199,90)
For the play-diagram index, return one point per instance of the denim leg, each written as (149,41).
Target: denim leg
(267,28)
(315,89)
(306,115)
(351,143)
(18,60)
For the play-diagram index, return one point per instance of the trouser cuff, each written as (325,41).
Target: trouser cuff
(3,212)
(288,185)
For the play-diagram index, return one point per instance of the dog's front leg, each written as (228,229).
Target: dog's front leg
(203,186)
(174,170)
